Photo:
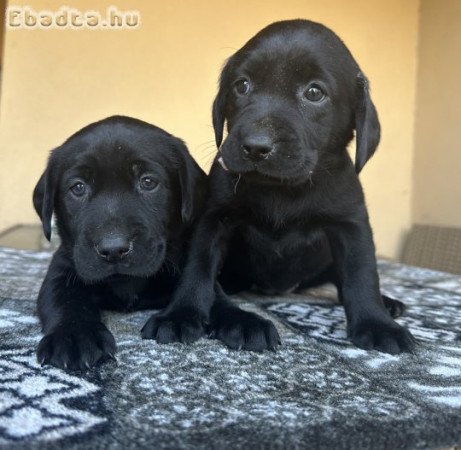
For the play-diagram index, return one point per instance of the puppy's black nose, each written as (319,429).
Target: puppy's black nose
(257,147)
(113,248)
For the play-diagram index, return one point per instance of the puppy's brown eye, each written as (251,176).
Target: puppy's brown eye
(148,183)
(78,189)
(314,93)
(242,86)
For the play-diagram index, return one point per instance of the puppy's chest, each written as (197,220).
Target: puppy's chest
(281,241)
(281,225)
(276,209)
(123,293)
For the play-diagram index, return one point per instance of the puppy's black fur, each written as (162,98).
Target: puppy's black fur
(125,194)
(287,209)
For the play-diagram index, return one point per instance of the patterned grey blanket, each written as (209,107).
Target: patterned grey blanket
(317,392)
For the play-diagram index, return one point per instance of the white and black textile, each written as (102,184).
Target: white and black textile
(317,391)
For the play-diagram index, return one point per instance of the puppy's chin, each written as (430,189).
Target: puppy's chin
(299,173)
(144,263)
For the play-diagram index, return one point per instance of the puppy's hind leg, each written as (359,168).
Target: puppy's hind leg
(395,307)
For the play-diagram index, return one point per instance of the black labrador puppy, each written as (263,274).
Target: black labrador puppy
(287,209)
(125,194)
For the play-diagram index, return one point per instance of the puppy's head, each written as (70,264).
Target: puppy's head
(292,97)
(120,189)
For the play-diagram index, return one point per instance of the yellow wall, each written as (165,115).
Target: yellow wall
(437,174)
(166,71)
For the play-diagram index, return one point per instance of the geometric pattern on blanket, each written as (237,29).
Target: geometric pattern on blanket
(317,391)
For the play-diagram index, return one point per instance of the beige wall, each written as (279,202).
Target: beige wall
(437,174)
(2,19)
(165,72)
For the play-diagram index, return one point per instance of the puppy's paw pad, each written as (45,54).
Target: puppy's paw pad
(240,329)
(77,348)
(387,338)
(175,326)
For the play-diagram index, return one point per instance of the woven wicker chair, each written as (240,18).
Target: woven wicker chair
(434,247)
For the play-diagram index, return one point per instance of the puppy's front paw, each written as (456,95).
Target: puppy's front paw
(240,329)
(77,347)
(386,337)
(182,325)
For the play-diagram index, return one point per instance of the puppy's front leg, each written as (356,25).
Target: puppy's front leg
(240,329)
(370,325)
(186,317)
(75,338)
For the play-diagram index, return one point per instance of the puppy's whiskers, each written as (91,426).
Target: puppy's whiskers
(209,154)
(68,277)
(236,183)
(71,278)
(210,141)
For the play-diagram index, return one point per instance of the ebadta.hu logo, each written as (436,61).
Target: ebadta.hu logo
(67,17)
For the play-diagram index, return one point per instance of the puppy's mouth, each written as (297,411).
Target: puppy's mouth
(144,261)
(258,172)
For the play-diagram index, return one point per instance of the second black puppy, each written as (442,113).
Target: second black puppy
(125,194)
(287,210)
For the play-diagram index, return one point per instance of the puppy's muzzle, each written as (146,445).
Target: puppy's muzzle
(257,147)
(114,248)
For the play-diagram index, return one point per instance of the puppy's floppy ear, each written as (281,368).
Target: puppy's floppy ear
(218,116)
(43,197)
(219,104)
(366,124)
(192,183)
